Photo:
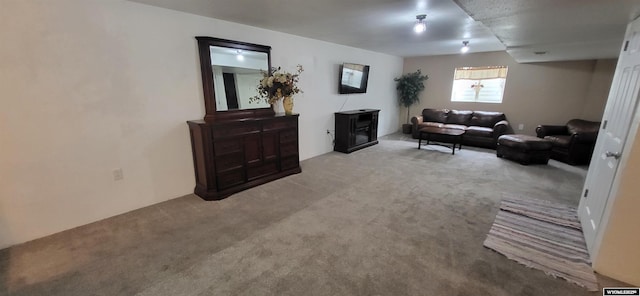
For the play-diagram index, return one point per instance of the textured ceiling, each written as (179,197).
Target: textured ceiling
(562,29)
(378,25)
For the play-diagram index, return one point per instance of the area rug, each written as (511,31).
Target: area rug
(543,236)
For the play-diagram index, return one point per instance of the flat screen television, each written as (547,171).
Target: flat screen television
(353,78)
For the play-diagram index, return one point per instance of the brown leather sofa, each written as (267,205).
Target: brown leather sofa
(572,143)
(482,128)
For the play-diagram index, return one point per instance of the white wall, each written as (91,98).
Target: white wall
(599,89)
(87,86)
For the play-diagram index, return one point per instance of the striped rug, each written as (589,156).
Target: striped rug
(543,236)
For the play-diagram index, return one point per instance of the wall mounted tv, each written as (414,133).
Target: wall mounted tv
(353,78)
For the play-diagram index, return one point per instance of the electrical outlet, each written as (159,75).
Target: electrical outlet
(521,126)
(117,174)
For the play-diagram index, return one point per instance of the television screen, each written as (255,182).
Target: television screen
(353,78)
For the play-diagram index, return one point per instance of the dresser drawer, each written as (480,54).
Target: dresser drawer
(288,149)
(227,147)
(230,178)
(262,170)
(290,135)
(280,124)
(290,162)
(235,130)
(229,162)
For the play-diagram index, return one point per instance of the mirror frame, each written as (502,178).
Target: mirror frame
(211,114)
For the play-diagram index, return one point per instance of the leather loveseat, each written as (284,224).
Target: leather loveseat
(482,128)
(573,142)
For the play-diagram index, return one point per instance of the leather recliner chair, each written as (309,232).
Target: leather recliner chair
(572,143)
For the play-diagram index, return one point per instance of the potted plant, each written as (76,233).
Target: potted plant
(409,86)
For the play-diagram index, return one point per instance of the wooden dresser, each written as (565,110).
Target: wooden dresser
(230,156)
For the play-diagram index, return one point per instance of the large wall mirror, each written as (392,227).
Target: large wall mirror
(231,71)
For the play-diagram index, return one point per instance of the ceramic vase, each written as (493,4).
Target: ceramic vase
(287,104)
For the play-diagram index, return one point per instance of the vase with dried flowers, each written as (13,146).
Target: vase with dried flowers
(279,85)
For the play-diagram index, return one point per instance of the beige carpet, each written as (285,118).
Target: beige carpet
(386,220)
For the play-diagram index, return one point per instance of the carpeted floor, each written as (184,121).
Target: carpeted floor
(545,236)
(386,220)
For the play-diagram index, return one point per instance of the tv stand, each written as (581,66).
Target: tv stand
(356,129)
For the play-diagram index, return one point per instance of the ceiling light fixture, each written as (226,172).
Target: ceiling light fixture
(239,55)
(420,25)
(465,47)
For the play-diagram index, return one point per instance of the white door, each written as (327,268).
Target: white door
(621,105)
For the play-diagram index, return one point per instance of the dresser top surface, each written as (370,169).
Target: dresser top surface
(277,115)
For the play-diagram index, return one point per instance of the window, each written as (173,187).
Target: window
(479,84)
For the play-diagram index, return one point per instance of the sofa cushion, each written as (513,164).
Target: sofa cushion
(559,140)
(486,119)
(479,131)
(435,115)
(459,117)
(455,126)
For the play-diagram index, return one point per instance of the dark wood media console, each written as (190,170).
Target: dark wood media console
(356,129)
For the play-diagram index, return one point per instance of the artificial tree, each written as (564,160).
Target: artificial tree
(409,86)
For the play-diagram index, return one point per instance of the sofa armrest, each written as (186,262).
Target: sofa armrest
(500,128)
(548,130)
(415,121)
